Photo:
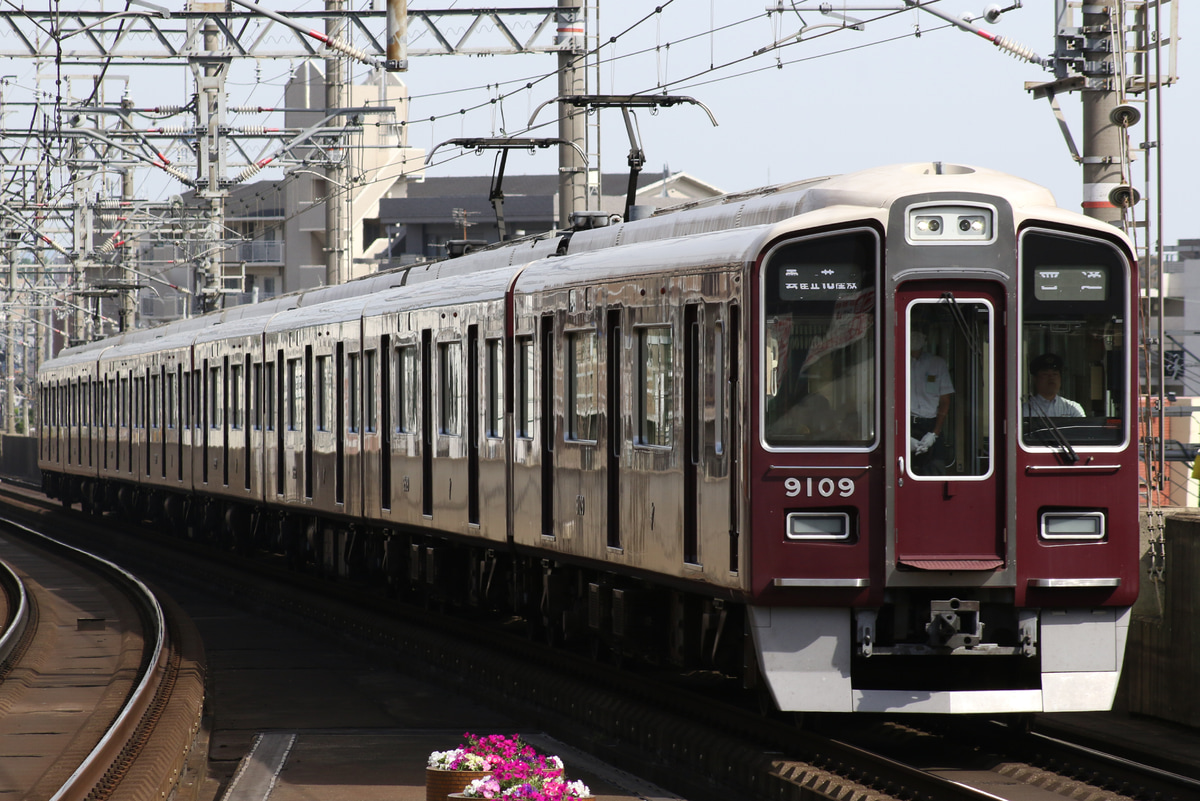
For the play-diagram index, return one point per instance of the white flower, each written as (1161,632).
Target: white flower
(442,760)
(576,789)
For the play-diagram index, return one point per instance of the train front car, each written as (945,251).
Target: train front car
(944,477)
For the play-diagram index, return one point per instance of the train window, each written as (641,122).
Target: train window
(353,388)
(197,410)
(295,395)
(718,388)
(949,387)
(169,403)
(450,388)
(235,396)
(370,399)
(583,390)
(525,416)
(818,361)
(495,388)
(268,405)
(154,402)
(1074,342)
(656,390)
(406,389)
(256,393)
(214,397)
(323,397)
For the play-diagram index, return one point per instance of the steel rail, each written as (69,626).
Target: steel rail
(1171,779)
(80,784)
(19,617)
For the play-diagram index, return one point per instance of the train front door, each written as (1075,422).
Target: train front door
(949,432)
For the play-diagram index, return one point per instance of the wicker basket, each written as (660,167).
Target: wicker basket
(441,783)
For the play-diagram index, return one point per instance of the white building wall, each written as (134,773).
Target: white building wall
(379,165)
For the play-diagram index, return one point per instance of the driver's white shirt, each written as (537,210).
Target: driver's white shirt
(1059,407)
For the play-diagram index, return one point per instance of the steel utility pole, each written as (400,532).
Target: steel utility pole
(335,171)
(209,73)
(128,290)
(1105,188)
(10,345)
(572,129)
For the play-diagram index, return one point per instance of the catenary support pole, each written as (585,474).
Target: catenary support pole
(572,175)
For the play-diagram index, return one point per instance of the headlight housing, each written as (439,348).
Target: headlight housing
(1072,526)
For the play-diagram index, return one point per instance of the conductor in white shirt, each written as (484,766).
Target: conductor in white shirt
(1047,381)
(929,404)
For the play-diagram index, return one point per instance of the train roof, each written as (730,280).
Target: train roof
(701,251)
(80,354)
(166,340)
(328,313)
(469,287)
(234,328)
(875,188)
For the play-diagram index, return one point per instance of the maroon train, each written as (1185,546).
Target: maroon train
(868,441)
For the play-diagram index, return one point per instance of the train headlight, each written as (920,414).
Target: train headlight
(1072,526)
(950,225)
(928,226)
(818,526)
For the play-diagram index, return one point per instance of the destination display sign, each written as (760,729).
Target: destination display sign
(819,281)
(1070,283)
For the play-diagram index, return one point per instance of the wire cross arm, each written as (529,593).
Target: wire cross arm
(505,143)
(623,101)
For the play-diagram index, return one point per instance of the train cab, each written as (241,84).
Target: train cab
(944,466)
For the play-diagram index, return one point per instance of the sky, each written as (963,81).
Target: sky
(838,101)
(905,88)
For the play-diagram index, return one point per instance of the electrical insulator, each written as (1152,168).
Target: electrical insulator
(1016,49)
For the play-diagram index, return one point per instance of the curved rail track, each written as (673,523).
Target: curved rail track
(99,698)
(692,736)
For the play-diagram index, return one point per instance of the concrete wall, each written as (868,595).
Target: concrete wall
(1162,661)
(18,460)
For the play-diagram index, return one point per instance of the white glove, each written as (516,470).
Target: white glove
(927,441)
(915,445)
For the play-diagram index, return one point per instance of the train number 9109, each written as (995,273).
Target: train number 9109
(818,487)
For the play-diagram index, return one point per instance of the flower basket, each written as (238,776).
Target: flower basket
(455,796)
(440,784)
(505,768)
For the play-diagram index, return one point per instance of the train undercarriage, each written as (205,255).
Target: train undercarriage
(614,617)
(961,651)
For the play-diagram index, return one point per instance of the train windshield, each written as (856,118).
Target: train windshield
(1073,340)
(949,386)
(819,334)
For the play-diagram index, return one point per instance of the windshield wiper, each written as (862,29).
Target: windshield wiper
(1067,452)
(961,320)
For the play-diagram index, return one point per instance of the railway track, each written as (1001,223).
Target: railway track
(100,694)
(1014,761)
(699,747)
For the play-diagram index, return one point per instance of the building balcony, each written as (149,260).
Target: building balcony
(261,251)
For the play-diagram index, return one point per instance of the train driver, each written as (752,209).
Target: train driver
(1047,381)
(931,389)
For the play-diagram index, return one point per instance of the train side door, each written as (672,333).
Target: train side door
(949,479)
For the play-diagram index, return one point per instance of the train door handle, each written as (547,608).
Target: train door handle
(901,460)
(900,475)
